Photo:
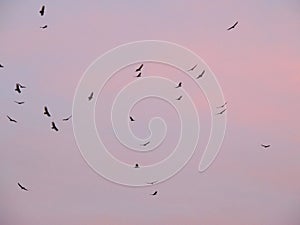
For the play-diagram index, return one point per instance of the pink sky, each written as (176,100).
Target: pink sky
(257,65)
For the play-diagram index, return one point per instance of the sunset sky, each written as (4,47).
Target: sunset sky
(257,65)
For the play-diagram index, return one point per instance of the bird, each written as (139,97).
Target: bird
(221,112)
(140,68)
(42,11)
(19,103)
(179,85)
(46,111)
(91,96)
(139,75)
(193,67)
(66,119)
(19,87)
(265,146)
(131,119)
(179,98)
(54,127)
(155,193)
(153,182)
(233,26)
(222,105)
(44,27)
(11,119)
(201,74)
(1,66)
(145,144)
(22,187)
(136,166)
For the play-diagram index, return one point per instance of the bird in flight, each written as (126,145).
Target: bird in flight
(42,11)
(22,187)
(153,182)
(155,193)
(131,119)
(136,166)
(91,96)
(179,85)
(265,146)
(139,75)
(44,27)
(11,119)
(233,26)
(1,66)
(46,111)
(193,67)
(222,105)
(179,98)
(19,103)
(19,87)
(201,74)
(145,144)
(221,112)
(140,68)
(54,127)
(66,119)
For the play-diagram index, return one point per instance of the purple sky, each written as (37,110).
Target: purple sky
(257,65)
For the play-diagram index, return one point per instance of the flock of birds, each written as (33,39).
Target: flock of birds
(19,87)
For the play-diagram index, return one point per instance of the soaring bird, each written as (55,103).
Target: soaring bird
(19,87)
(131,119)
(136,166)
(179,98)
(139,75)
(91,96)
(44,27)
(145,144)
(1,66)
(222,105)
(179,85)
(233,26)
(54,127)
(221,112)
(193,67)
(46,111)
(11,119)
(201,74)
(66,119)
(140,68)
(155,193)
(19,103)
(265,146)
(42,11)
(22,187)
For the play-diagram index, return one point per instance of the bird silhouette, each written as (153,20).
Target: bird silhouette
(42,11)
(179,98)
(19,87)
(19,103)
(193,67)
(46,111)
(91,96)
(11,119)
(155,193)
(179,85)
(265,146)
(22,187)
(222,105)
(136,166)
(54,127)
(140,68)
(145,144)
(221,112)
(66,119)
(139,75)
(201,74)
(44,27)
(131,119)
(233,26)
(1,66)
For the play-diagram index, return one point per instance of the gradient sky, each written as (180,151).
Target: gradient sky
(257,65)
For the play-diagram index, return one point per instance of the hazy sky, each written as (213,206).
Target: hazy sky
(257,65)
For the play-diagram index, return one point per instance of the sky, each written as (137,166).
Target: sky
(257,65)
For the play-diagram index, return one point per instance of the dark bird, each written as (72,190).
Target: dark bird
(266,146)
(140,68)
(91,96)
(139,75)
(147,143)
(179,85)
(19,103)
(221,112)
(1,66)
(66,119)
(44,27)
(19,87)
(193,67)
(11,119)
(233,26)
(136,166)
(22,187)
(46,111)
(155,193)
(42,11)
(153,182)
(179,98)
(201,74)
(131,119)
(54,127)
(222,105)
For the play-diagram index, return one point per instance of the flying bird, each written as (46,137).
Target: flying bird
(66,119)
(11,119)
(222,105)
(201,74)
(179,85)
(145,144)
(265,146)
(19,103)
(46,111)
(91,96)
(155,193)
(54,127)
(1,66)
(193,67)
(44,27)
(22,187)
(42,11)
(221,112)
(136,166)
(19,87)
(140,68)
(139,75)
(179,98)
(233,26)
(131,119)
